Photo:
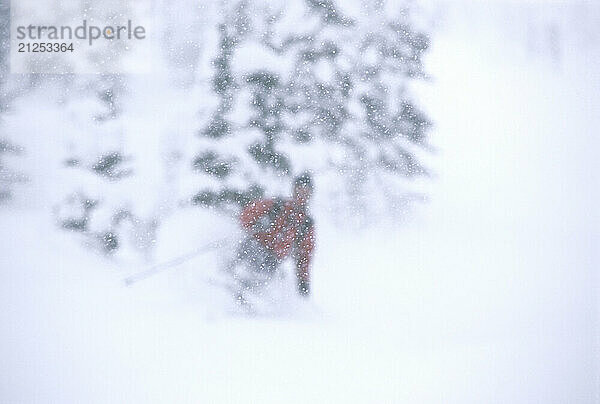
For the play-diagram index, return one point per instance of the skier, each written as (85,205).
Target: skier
(277,228)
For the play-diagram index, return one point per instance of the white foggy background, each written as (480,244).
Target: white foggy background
(487,292)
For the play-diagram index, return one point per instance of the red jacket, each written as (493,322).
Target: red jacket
(285,229)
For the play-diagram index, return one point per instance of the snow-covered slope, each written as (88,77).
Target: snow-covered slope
(488,294)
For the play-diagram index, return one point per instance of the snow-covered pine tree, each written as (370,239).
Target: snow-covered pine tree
(225,157)
(8,177)
(305,86)
(97,163)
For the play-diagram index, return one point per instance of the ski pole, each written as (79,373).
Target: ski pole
(153,270)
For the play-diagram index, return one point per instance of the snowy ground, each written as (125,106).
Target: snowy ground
(487,295)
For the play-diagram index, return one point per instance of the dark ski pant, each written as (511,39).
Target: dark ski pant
(255,257)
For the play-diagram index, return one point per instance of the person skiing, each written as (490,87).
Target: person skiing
(277,228)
